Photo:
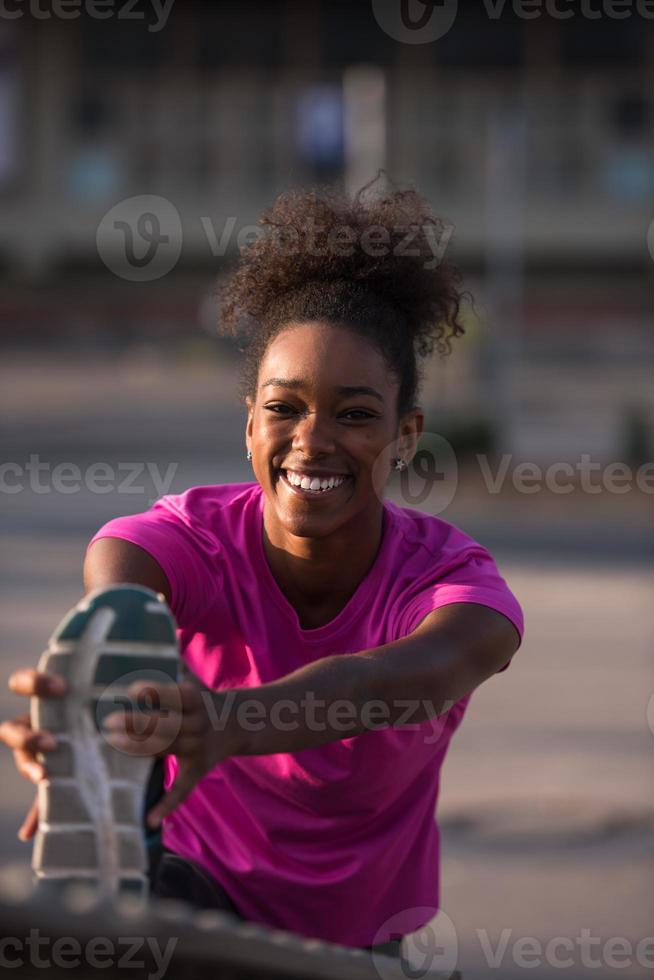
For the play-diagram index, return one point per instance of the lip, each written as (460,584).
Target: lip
(313,494)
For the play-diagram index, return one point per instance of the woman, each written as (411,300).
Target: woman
(341,635)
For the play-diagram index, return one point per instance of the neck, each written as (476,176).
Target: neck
(322,572)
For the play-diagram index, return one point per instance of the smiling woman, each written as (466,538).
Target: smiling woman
(335,637)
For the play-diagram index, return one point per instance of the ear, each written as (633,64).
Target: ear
(250,420)
(409,431)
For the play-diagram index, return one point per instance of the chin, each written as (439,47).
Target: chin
(308,525)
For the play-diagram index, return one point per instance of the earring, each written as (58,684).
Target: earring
(248,455)
(399,463)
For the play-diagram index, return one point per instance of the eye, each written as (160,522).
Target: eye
(357,414)
(278,408)
(363,415)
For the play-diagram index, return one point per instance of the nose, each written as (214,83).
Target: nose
(312,436)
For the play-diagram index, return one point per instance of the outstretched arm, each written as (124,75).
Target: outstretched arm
(414,679)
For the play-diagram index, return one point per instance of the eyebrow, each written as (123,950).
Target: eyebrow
(296,383)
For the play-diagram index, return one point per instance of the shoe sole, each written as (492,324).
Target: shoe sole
(90,804)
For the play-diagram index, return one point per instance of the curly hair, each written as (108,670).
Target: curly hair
(369,265)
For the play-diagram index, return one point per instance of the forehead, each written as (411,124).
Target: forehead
(321,354)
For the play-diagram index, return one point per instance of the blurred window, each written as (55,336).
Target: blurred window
(319,132)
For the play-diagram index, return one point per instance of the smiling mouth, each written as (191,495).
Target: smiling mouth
(318,492)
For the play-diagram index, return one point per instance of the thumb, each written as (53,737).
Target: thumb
(30,824)
(185,781)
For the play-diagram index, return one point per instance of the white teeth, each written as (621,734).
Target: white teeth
(313,483)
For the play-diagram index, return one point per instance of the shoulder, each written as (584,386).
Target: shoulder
(209,506)
(438,564)
(202,522)
(192,537)
(432,540)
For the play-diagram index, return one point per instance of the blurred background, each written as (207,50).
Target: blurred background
(136,153)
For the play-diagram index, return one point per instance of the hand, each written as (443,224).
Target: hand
(18,735)
(177,720)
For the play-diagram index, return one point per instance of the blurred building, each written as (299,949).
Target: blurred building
(535,138)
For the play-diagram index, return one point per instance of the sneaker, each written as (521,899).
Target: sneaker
(91,802)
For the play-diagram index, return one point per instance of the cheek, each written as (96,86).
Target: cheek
(265,432)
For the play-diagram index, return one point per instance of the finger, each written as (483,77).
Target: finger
(141,723)
(148,746)
(14,730)
(185,782)
(17,734)
(165,741)
(176,697)
(28,766)
(30,824)
(37,684)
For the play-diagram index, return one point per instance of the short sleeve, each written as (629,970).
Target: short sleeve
(188,556)
(475,578)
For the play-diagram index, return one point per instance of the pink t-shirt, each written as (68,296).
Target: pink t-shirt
(329,842)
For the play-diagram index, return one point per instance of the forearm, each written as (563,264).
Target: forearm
(339,697)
